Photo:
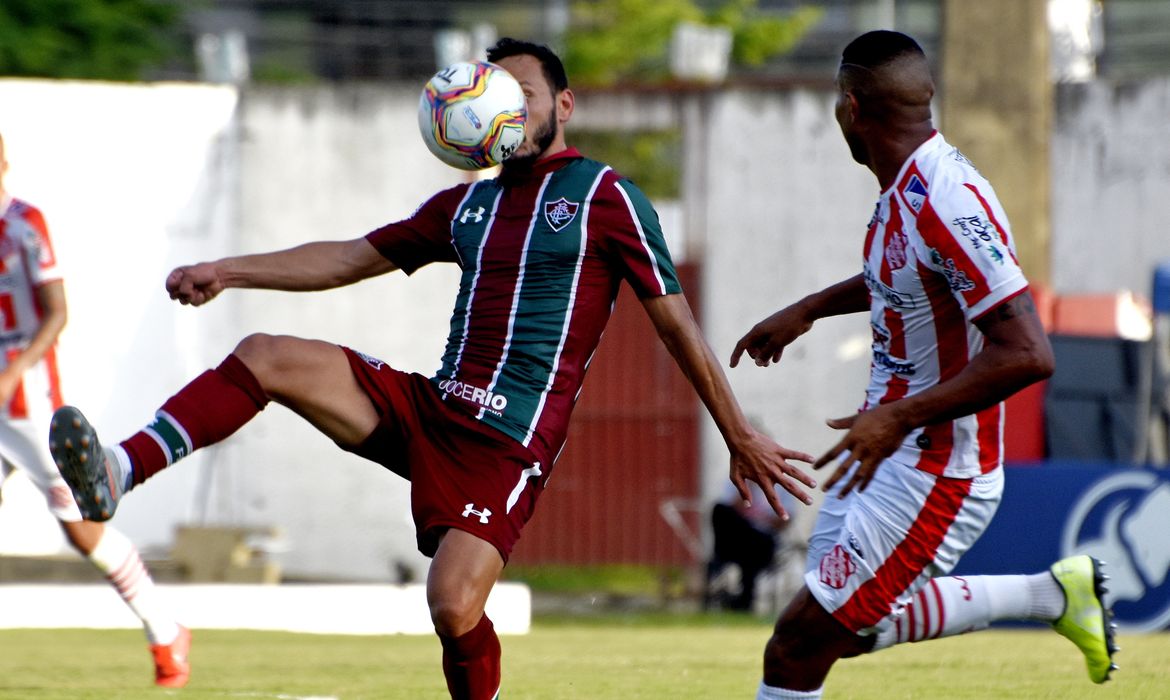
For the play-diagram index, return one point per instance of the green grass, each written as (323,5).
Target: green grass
(619,579)
(714,657)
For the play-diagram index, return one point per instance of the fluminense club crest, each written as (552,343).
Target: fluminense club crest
(560,213)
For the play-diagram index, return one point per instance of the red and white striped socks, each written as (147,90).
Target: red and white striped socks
(951,605)
(115,556)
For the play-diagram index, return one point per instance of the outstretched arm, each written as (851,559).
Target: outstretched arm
(754,456)
(1015,353)
(766,341)
(306,268)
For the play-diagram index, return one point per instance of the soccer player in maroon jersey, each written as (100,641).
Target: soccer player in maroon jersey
(32,314)
(542,249)
(920,472)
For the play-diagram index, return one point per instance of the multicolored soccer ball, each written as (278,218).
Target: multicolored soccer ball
(472,115)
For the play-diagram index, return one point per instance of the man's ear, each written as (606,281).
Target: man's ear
(854,106)
(566,102)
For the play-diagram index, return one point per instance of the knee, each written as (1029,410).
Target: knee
(805,644)
(258,349)
(267,357)
(454,610)
(455,614)
(787,644)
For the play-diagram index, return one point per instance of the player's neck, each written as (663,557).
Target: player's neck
(888,155)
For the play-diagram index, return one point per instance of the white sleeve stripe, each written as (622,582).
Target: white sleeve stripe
(642,236)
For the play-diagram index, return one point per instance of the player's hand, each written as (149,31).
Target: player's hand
(766,341)
(873,436)
(194,284)
(763,461)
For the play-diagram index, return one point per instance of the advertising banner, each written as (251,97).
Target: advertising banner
(1118,514)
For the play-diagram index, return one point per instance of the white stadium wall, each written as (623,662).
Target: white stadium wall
(137,179)
(1110,186)
(132,180)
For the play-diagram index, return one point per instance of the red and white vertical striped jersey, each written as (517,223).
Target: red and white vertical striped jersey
(938,255)
(27,261)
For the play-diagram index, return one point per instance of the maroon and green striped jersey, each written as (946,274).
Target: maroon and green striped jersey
(542,258)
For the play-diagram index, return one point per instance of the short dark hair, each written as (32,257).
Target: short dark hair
(875,49)
(550,63)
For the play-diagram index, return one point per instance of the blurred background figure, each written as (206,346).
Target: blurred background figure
(32,314)
(747,540)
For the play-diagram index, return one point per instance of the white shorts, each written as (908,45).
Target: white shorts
(871,551)
(24,444)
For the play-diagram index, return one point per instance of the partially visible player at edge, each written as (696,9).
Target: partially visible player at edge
(543,249)
(34,313)
(919,477)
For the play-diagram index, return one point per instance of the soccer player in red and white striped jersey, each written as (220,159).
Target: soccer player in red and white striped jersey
(919,474)
(32,314)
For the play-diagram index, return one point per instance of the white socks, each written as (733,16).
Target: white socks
(120,461)
(767,692)
(951,605)
(116,557)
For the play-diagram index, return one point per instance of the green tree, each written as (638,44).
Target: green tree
(616,40)
(83,39)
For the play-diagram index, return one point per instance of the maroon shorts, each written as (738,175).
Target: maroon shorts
(463,474)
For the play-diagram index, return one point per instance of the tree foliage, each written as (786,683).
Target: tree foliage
(615,40)
(83,39)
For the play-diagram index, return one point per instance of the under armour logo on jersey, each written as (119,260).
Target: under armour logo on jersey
(467,214)
(560,213)
(469,510)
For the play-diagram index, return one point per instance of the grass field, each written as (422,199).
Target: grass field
(647,656)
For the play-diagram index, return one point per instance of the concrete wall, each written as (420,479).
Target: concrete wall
(1110,186)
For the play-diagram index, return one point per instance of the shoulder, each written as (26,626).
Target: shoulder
(24,209)
(443,203)
(28,214)
(951,179)
(452,196)
(615,187)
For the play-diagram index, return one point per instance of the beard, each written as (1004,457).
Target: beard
(541,140)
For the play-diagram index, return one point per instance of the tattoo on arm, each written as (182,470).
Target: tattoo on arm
(1017,306)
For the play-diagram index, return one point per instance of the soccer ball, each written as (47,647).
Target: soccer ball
(472,114)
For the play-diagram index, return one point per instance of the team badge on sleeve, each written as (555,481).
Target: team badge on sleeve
(560,213)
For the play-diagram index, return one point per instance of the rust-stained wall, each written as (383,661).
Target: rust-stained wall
(633,442)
